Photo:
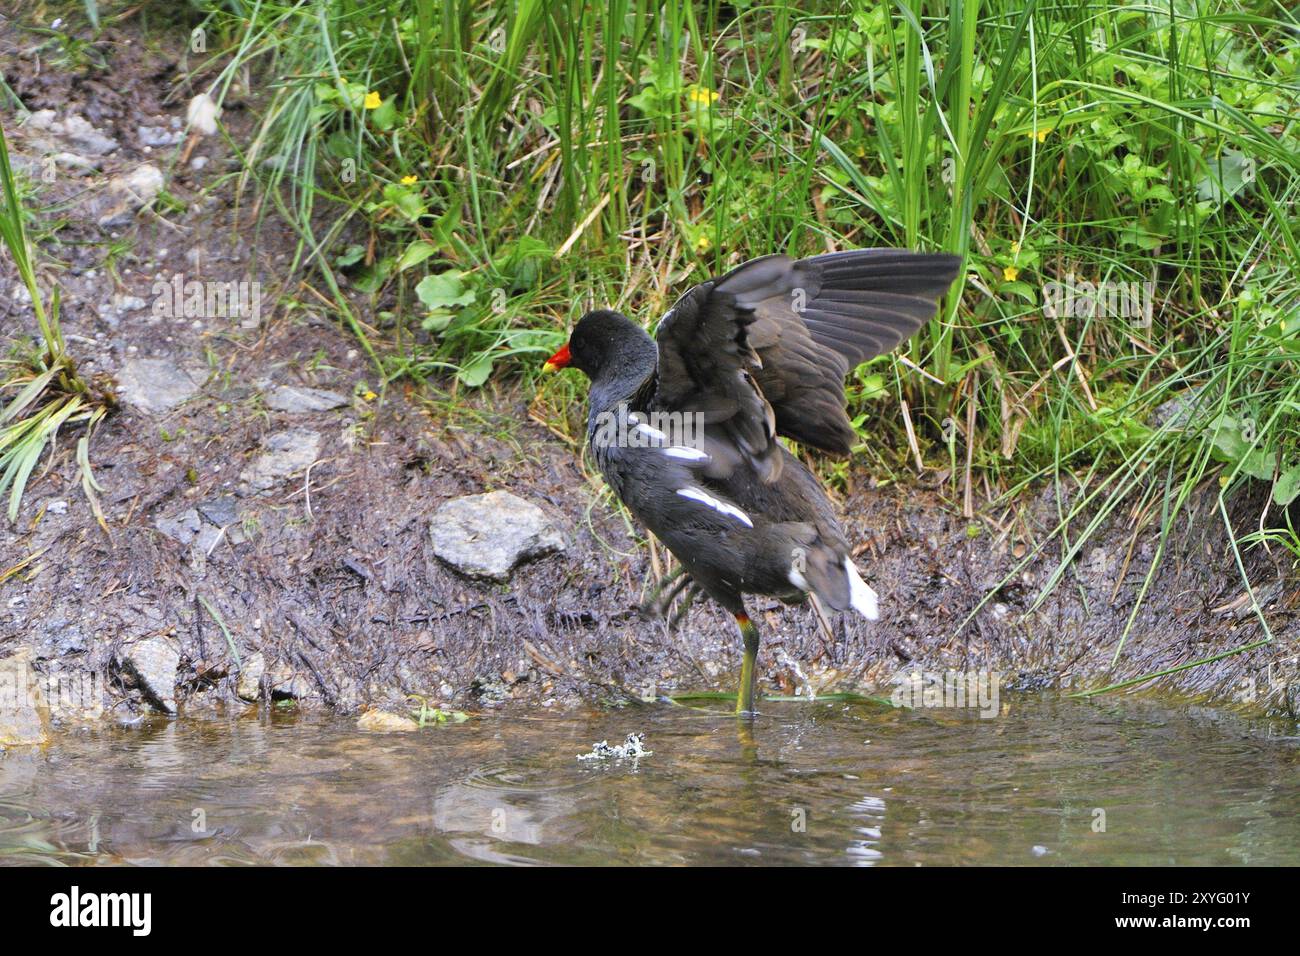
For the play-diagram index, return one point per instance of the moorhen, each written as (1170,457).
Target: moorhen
(684,426)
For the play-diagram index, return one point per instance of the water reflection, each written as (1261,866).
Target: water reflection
(1052,782)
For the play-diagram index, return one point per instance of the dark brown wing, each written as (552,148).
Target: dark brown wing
(763,351)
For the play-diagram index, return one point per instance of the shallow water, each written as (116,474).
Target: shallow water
(808,783)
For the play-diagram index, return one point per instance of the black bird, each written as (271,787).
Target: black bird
(684,426)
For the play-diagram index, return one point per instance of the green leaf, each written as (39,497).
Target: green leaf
(476,372)
(1260,464)
(415,253)
(1287,488)
(385,116)
(406,201)
(444,290)
(1228,175)
(350,256)
(373,278)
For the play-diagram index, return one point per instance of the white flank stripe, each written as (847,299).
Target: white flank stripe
(653,434)
(687,454)
(861,596)
(722,507)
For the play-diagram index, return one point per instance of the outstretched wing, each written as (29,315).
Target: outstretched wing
(763,351)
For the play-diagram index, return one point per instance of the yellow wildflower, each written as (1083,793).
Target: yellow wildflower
(1039,134)
(703,244)
(369,396)
(409,180)
(1015,248)
(373,100)
(1009,274)
(701,96)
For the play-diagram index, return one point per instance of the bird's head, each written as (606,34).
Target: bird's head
(600,341)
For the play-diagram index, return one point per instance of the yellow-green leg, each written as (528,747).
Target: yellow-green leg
(748,667)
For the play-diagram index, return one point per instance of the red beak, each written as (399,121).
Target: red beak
(558,361)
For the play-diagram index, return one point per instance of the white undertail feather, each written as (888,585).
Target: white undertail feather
(861,596)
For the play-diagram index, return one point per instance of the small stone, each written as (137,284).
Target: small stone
(249,686)
(144,183)
(133,191)
(156,385)
(183,527)
(288,683)
(220,511)
(382,722)
(487,536)
(41,119)
(73,161)
(24,714)
(1177,413)
(128,303)
(158,137)
(286,453)
(153,663)
(59,507)
(208,538)
(85,137)
(59,638)
(295,398)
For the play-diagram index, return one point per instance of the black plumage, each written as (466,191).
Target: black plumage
(684,426)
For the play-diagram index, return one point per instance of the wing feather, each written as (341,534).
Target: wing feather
(763,350)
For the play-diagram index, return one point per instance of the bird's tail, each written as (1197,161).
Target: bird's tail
(861,597)
(833,577)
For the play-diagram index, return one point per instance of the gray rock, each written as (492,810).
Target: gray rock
(220,511)
(286,453)
(1177,412)
(294,398)
(41,119)
(182,527)
(287,682)
(158,136)
(24,714)
(156,385)
(249,686)
(128,303)
(153,663)
(143,183)
(74,162)
(129,193)
(207,538)
(82,135)
(487,536)
(59,638)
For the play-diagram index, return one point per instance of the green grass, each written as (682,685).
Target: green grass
(484,173)
(45,393)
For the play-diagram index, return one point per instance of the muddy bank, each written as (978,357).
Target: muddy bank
(270,544)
